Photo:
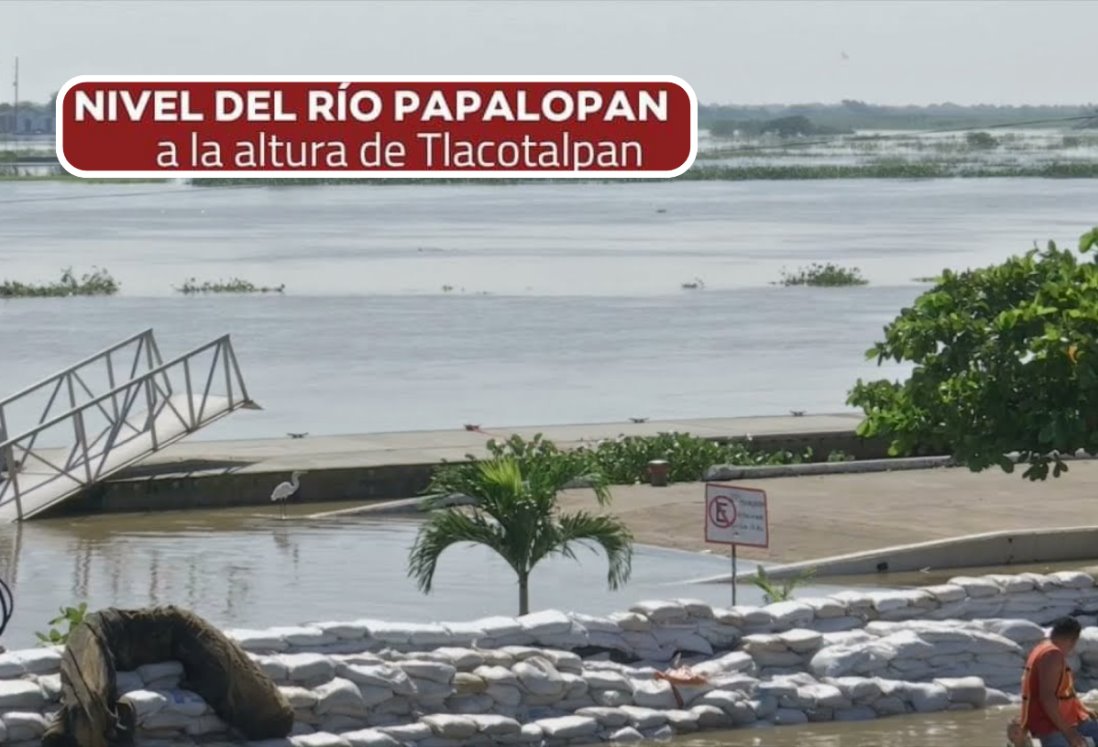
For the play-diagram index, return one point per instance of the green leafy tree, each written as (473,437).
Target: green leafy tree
(516,514)
(1005,365)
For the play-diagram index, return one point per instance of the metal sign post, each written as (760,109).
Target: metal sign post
(734,580)
(736,516)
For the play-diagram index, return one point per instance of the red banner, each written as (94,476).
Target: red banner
(371,127)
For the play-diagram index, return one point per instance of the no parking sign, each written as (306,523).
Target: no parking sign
(736,516)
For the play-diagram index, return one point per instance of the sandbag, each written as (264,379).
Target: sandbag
(216,668)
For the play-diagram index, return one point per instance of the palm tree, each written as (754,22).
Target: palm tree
(516,514)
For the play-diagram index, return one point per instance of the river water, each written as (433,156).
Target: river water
(249,568)
(566,303)
(973,729)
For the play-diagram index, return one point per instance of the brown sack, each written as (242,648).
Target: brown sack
(215,668)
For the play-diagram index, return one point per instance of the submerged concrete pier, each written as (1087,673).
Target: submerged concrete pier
(385,466)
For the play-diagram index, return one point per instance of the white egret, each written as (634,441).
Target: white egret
(284,490)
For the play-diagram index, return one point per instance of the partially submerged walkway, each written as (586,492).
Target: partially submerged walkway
(433,447)
(388,466)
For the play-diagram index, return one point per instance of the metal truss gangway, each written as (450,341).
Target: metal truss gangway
(74,429)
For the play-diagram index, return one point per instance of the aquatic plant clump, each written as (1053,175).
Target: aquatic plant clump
(821,275)
(96,283)
(234,285)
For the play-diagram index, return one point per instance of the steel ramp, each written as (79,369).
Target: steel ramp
(82,437)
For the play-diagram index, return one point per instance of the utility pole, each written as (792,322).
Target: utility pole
(15,105)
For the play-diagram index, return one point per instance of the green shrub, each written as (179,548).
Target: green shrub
(624,460)
(533,455)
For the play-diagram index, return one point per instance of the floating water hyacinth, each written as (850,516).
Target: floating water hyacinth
(234,285)
(96,283)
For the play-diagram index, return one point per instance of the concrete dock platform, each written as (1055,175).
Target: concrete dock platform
(432,447)
(386,466)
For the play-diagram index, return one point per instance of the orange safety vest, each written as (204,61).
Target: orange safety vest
(1034,717)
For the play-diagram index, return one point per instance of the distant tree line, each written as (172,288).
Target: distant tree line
(782,126)
(786,120)
(859,115)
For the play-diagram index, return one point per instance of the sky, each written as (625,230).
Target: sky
(1010,52)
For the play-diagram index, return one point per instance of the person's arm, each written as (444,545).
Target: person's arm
(1049,671)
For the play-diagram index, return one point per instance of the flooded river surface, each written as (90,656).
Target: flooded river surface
(565,305)
(245,568)
(972,729)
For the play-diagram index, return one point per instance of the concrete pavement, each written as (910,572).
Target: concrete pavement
(821,516)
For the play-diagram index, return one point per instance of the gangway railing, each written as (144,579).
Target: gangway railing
(147,410)
(72,386)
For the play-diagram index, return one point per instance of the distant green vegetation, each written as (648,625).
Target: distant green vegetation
(28,154)
(12,175)
(884,169)
(796,126)
(96,283)
(827,275)
(980,140)
(234,285)
(891,170)
(859,115)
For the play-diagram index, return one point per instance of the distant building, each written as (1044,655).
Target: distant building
(34,119)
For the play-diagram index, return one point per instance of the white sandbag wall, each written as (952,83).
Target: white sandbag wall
(553,679)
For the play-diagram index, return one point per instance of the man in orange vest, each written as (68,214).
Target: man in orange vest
(1051,709)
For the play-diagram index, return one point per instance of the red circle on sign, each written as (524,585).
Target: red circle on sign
(722,511)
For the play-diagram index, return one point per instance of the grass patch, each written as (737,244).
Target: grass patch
(819,275)
(234,285)
(96,283)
